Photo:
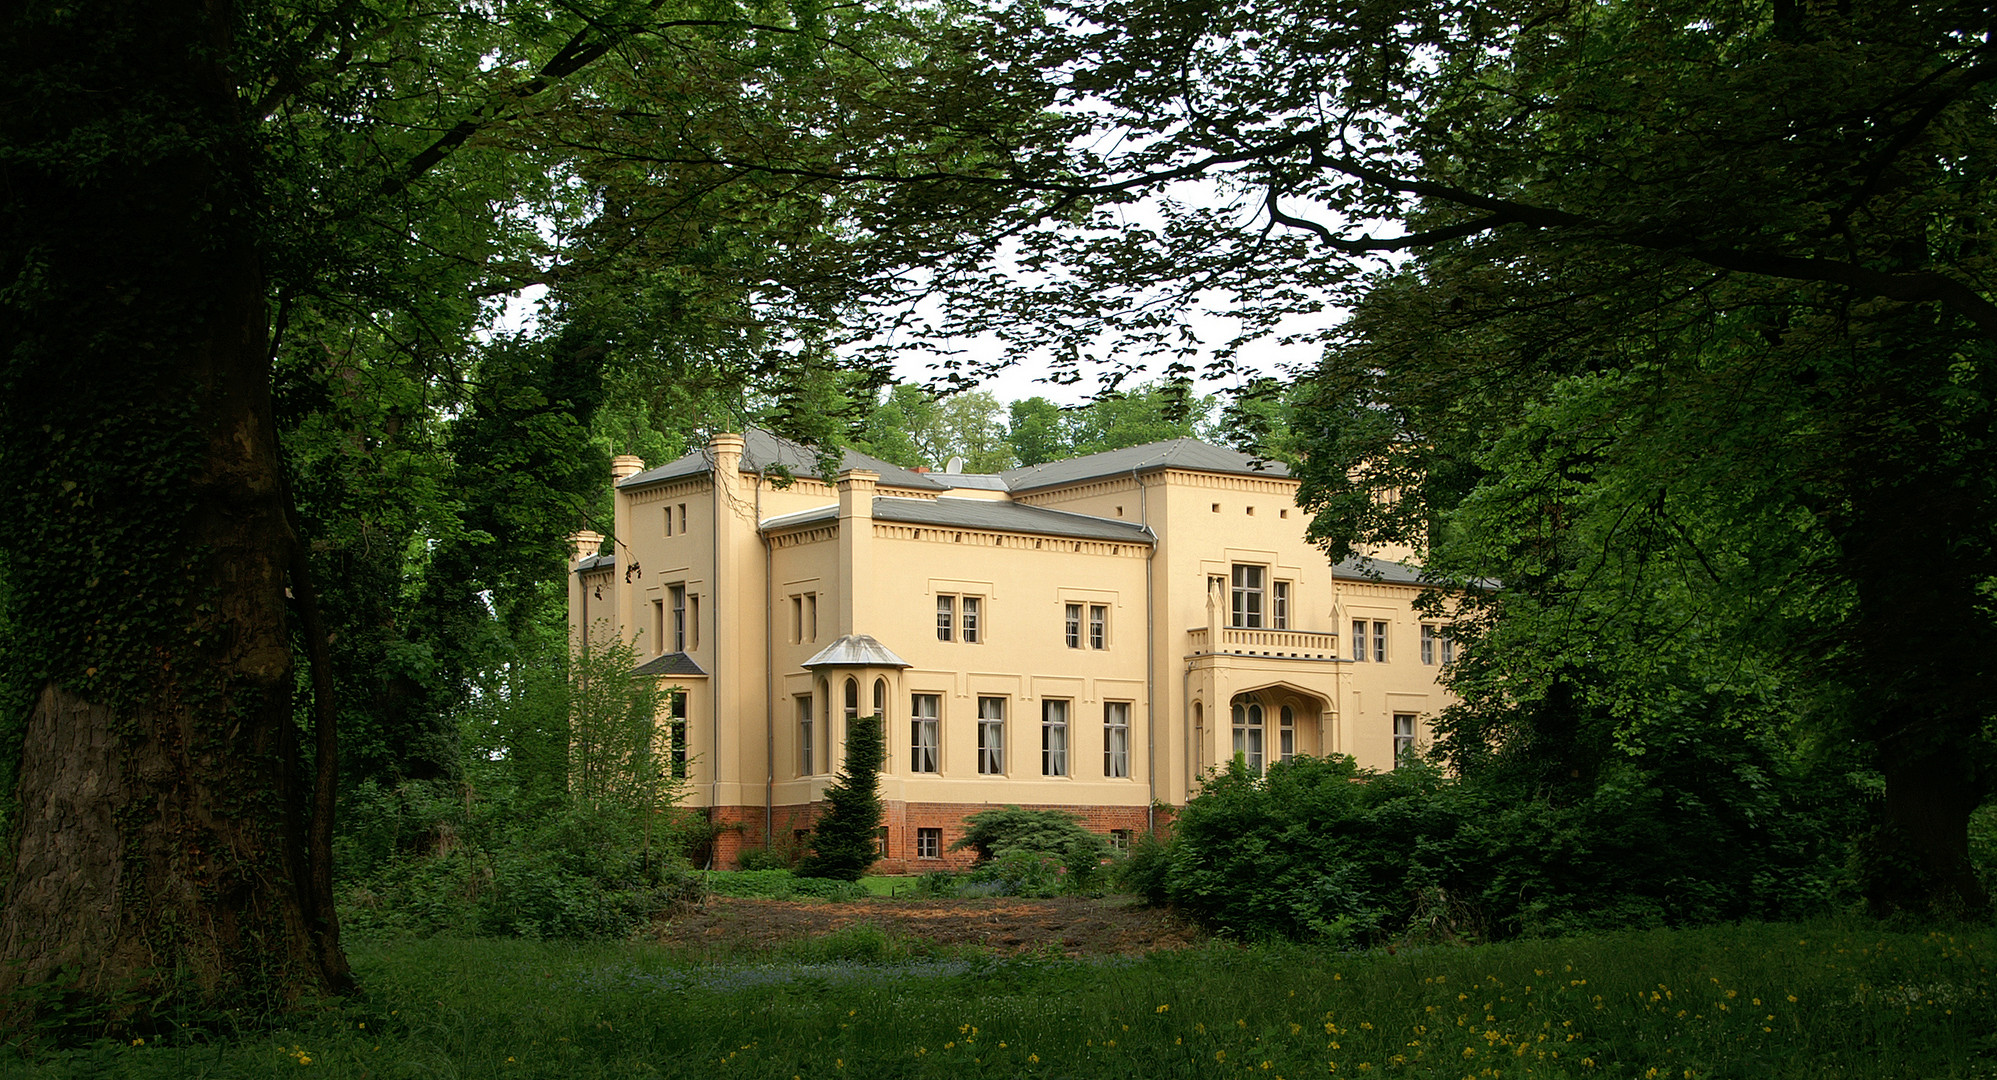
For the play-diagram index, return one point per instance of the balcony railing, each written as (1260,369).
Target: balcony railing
(1285,644)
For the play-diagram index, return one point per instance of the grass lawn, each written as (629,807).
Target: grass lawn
(1820,1000)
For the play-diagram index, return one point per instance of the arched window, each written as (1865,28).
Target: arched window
(1248,733)
(852,699)
(881,698)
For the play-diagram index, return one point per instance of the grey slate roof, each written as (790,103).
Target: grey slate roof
(762,449)
(969,481)
(948,513)
(856,650)
(1171,454)
(1366,568)
(595,562)
(672,663)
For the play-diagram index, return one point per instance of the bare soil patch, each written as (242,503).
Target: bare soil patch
(1077,926)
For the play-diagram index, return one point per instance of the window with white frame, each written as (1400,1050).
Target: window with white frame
(1248,734)
(1116,739)
(1379,642)
(924,734)
(1359,639)
(1054,737)
(960,618)
(1246,610)
(1072,627)
(1286,734)
(807,761)
(1098,626)
(676,596)
(1404,735)
(1436,645)
(991,736)
(929,843)
(1279,606)
(676,734)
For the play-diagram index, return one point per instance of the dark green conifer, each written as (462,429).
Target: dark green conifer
(843,840)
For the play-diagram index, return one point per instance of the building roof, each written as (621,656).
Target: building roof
(969,481)
(762,450)
(672,663)
(856,650)
(948,513)
(1170,454)
(596,562)
(1367,568)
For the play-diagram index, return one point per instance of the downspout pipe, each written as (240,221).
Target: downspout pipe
(1150,656)
(769,673)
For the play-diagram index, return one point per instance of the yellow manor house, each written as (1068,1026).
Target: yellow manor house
(1091,635)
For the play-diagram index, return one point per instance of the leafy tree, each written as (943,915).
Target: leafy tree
(244,250)
(843,842)
(1778,210)
(913,426)
(1036,431)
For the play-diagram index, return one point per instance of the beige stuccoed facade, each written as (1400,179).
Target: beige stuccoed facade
(1093,634)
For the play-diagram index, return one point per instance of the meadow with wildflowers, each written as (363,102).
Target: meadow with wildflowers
(1751,1000)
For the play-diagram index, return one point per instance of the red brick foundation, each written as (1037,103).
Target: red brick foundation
(743,829)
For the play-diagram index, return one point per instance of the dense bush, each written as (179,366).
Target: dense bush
(1035,852)
(560,821)
(1323,850)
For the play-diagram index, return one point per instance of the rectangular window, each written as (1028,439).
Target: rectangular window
(1404,734)
(1098,626)
(811,616)
(659,626)
(973,608)
(1074,626)
(1119,839)
(676,735)
(881,841)
(1427,643)
(1053,738)
(924,732)
(991,736)
(678,595)
(682,517)
(929,843)
(946,618)
(807,760)
(1286,734)
(693,620)
(1247,609)
(669,521)
(1379,643)
(1448,650)
(1116,739)
(1359,639)
(797,619)
(1279,611)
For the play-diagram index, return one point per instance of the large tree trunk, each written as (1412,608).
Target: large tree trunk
(1915,539)
(164,815)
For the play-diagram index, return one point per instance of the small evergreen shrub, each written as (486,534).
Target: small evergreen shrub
(843,841)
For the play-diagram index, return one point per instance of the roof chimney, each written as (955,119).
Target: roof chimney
(584,545)
(625,465)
